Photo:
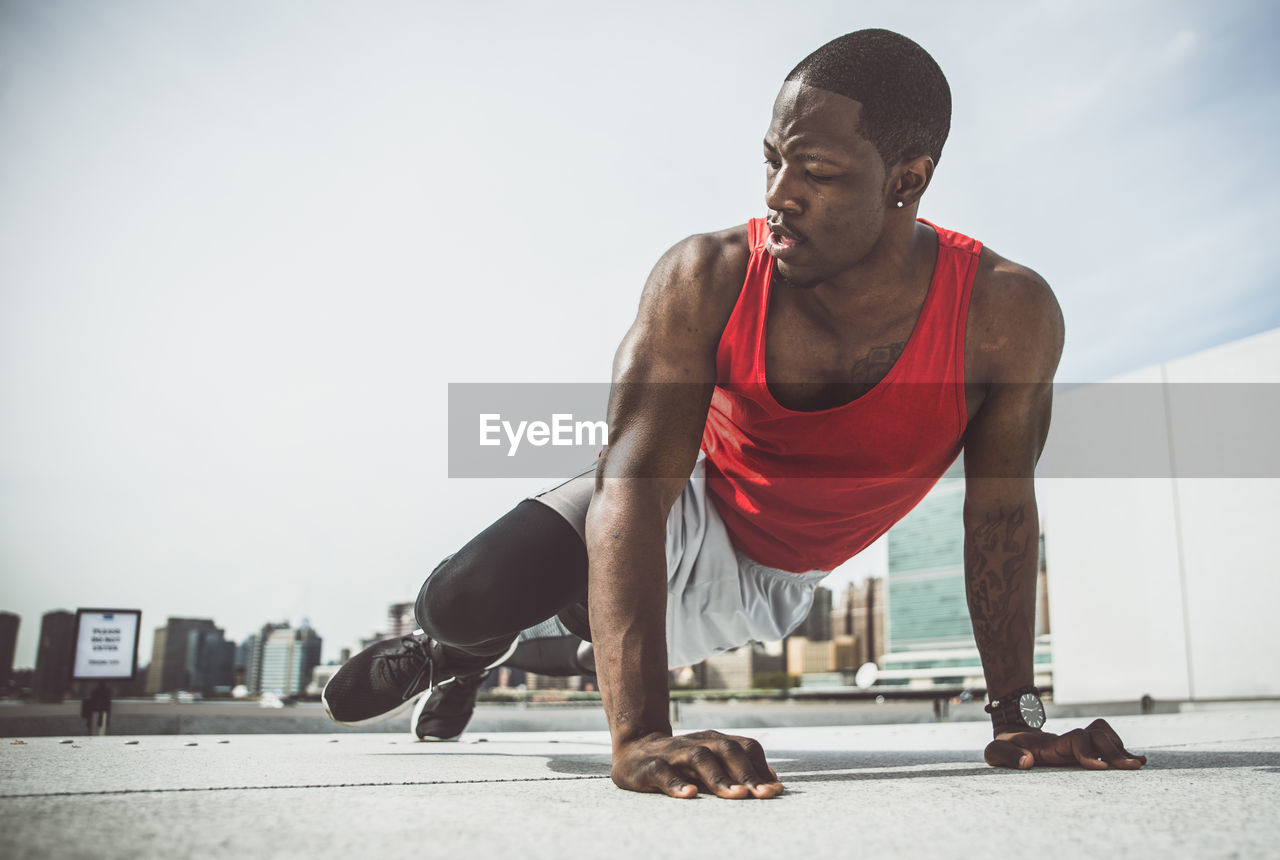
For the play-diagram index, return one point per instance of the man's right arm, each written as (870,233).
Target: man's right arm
(664,373)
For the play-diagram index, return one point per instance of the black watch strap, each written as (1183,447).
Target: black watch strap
(1006,710)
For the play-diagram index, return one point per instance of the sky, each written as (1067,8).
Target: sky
(245,247)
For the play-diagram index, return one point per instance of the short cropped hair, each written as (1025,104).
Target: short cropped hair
(906,103)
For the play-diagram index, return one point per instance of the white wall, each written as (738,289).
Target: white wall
(1161,585)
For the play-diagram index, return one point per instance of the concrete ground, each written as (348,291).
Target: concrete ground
(919,790)
(133,717)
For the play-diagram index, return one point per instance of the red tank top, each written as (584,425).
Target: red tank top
(805,491)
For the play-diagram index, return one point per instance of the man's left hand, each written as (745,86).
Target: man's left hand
(1097,747)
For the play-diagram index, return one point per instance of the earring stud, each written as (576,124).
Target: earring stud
(900,204)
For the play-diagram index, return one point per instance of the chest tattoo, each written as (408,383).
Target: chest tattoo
(875,366)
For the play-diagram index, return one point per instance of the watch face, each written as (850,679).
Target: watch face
(1031,709)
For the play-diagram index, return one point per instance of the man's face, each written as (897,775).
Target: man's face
(826,188)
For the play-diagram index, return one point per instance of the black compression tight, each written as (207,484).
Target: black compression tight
(520,571)
(548,652)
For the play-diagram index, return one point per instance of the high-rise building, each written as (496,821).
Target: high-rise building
(155,669)
(930,637)
(816,626)
(8,644)
(400,620)
(210,662)
(1042,594)
(171,667)
(253,649)
(809,648)
(859,621)
(244,654)
(928,608)
(53,660)
(288,658)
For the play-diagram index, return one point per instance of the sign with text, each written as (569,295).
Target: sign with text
(106,644)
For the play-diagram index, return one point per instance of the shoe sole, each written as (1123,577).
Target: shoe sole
(421,702)
(385,715)
(428,739)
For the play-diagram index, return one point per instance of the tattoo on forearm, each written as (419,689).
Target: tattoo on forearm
(997,555)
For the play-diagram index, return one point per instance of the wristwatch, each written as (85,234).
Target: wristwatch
(1019,708)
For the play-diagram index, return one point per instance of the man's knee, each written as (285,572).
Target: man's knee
(530,563)
(453,605)
(434,609)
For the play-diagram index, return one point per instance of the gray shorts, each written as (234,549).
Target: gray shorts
(717,598)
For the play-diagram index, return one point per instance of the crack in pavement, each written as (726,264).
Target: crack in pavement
(409,783)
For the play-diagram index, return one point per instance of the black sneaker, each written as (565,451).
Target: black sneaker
(385,678)
(442,714)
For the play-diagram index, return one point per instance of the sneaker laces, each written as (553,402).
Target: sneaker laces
(418,655)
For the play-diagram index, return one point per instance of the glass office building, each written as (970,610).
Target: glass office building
(927,607)
(930,637)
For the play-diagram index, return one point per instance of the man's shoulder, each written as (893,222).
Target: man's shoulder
(716,259)
(700,275)
(1015,324)
(1001,285)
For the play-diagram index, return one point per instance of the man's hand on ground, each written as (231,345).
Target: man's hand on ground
(726,765)
(1097,747)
